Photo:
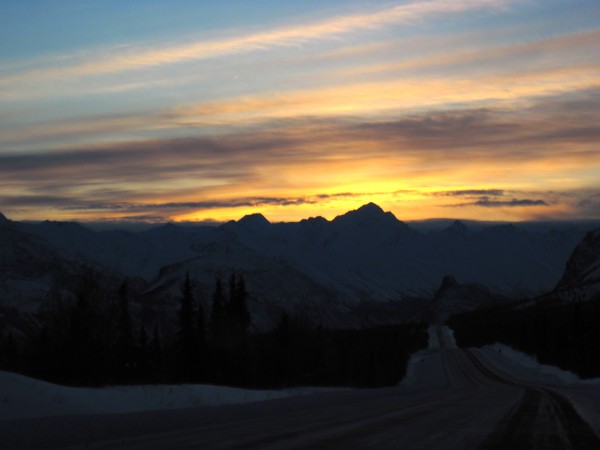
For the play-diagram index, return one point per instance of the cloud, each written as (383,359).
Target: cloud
(443,139)
(164,211)
(471,192)
(32,200)
(67,203)
(133,58)
(187,206)
(271,163)
(489,203)
(491,198)
(587,204)
(494,99)
(486,202)
(514,59)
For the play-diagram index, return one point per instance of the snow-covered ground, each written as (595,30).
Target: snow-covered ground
(584,395)
(526,367)
(23,397)
(448,400)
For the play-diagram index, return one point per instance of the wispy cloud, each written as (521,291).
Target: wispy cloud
(364,99)
(118,60)
(491,203)
(164,211)
(544,134)
(471,192)
(435,157)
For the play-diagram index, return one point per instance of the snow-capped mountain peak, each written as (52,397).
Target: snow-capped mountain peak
(366,256)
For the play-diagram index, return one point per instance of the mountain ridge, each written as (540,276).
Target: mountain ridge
(364,259)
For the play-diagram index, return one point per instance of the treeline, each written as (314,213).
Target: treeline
(93,339)
(566,335)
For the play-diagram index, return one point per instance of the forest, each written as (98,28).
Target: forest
(563,334)
(94,339)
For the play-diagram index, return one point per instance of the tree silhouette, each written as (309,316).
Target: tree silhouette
(239,307)
(218,312)
(124,324)
(186,331)
(124,353)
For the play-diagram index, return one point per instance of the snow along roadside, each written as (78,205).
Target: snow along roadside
(22,397)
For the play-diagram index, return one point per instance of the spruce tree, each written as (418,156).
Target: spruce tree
(155,344)
(187,333)
(124,320)
(218,312)
(143,337)
(156,355)
(201,326)
(241,307)
(11,352)
(186,316)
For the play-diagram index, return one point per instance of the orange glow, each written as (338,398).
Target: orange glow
(398,95)
(437,108)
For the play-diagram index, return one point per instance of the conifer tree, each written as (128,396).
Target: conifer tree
(187,343)
(124,321)
(186,316)
(200,326)
(241,307)
(143,337)
(11,352)
(218,312)
(156,354)
(156,345)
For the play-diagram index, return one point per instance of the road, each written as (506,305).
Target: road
(452,399)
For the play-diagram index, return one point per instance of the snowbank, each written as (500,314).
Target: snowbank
(584,395)
(23,397)
(526,367)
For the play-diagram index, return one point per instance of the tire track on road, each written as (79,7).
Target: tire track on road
(544,419)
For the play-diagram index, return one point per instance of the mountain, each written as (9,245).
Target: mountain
(456,229)
(362,264)
(581,279)
(274,286)
(254,221)
(135,254)
(368,218)
(455,298)
(31,267)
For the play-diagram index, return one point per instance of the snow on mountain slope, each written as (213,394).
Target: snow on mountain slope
(29,265)
(369,254)
(355,254)
(360,257)
(134,254)
(273,285)
(454,298)
(581,279)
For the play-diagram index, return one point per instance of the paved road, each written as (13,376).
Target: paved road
(455,401)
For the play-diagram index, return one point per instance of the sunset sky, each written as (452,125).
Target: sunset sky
(204,110)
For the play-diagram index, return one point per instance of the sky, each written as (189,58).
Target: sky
(207,111)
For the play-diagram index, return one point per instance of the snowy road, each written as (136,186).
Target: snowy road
(452,399)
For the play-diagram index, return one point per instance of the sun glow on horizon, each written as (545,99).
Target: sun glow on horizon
(470,109)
